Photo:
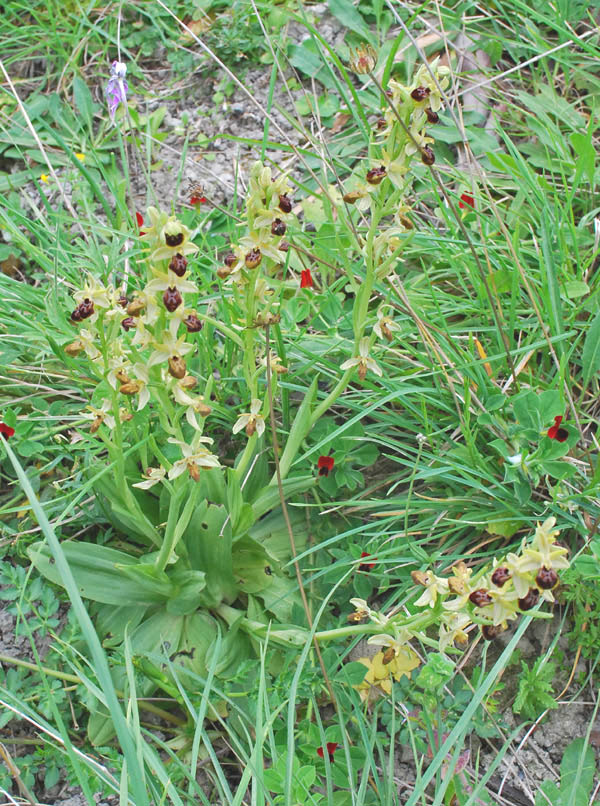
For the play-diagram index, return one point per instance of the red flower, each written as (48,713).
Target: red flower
(140,222)
(556,432)
(365,566)
(306,280)
(6,430)
(331,746)
(325,465)
(466,199)
(198,200)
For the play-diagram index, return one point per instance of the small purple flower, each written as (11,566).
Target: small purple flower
(116,89)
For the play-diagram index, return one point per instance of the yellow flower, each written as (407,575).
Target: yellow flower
(44,178)
(80,156)
(379,674)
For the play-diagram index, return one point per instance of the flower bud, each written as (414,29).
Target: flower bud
(74,348)
(419,578)
(530,599)
(376,175)
(229,259)
(491,631)
(501,576)
(388,655)
(363,60)
(546,578)
(481,598)
(278,227)
(128,323)
(188,382)
(285,204)
(352,197)
(123,301)
(131,388)
(178,265)
(193,324)
(253,258)
(136,307)
(223,272)
(432,116)
(427,155)
(420,94)
(172,299)
(177,368)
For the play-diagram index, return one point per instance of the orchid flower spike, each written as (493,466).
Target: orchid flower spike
(117,88)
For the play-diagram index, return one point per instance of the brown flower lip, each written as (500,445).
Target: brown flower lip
(128,323)
(500,576)
(285,203)
(83,310)
(177,368)
(352,197)
(193,324)
(530,599)
(253,258)
(490,631)
(229,259)
(172,299)
(376,175)
(546,578)
(432,116)
(174,240)
(420,94)
(278,227)
(481,598)
(123,301)
(427,155)
(178,265)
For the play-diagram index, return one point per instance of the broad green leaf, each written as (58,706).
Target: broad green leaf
(102,574)
(349,16)
(590,357)
(576,288)
(83,101)
(186,598)
(208,542)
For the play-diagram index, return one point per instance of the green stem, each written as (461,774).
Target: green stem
(331,398)
(169,539)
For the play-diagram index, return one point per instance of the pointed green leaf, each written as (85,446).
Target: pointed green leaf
(590,357)
(101,574)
